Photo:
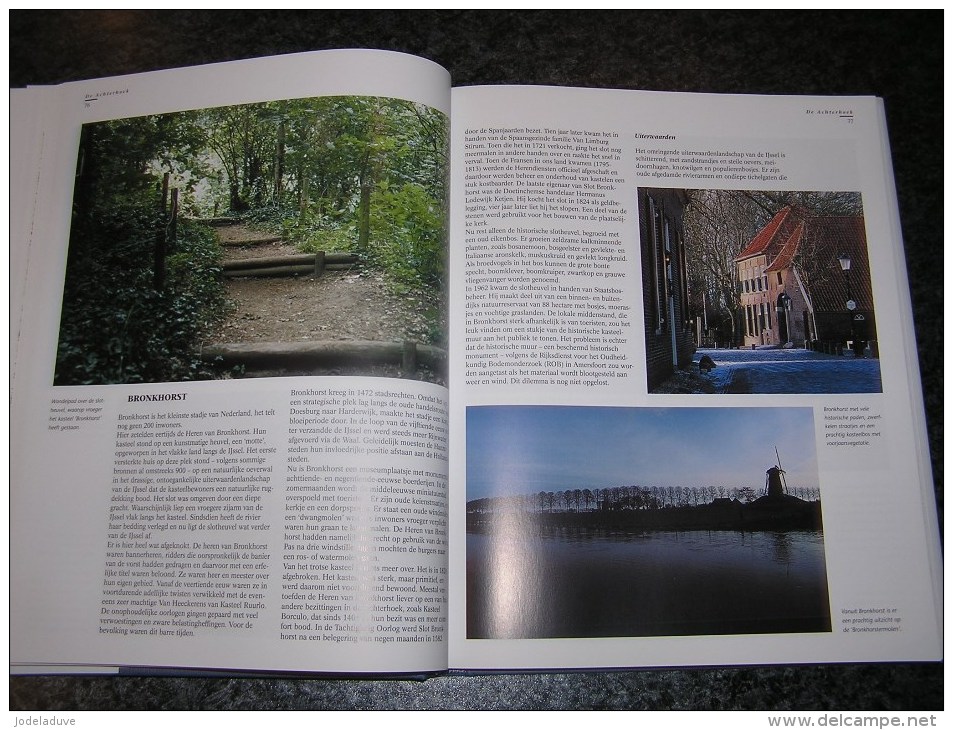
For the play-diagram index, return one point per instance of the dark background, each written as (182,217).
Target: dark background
(895,55)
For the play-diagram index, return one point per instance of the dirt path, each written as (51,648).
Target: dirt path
(336,306)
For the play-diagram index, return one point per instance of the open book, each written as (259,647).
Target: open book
(321,365)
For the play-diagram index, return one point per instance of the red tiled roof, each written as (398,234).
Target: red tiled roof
(766,236)
(786,254)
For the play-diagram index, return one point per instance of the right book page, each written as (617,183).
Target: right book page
(686,419)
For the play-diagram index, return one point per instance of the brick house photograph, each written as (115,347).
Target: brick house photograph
(757,292)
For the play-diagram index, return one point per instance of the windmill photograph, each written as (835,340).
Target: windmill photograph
(595,522)
(774,485)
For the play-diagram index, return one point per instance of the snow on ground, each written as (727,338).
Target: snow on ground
(791,371)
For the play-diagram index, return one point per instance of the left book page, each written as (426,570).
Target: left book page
(229,393)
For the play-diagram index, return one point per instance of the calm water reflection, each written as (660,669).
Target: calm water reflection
(577,582)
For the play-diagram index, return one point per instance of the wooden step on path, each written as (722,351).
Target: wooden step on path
(276,355)
(248,242)
(243,241)
(305,263)
(220,222)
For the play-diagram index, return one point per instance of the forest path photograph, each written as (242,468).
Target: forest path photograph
(284,238)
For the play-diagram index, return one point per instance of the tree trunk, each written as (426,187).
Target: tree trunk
(279,164)
(364,216)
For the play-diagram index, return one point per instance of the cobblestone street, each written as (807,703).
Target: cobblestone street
(791,371)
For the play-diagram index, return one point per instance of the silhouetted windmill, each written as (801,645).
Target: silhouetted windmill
(774,482)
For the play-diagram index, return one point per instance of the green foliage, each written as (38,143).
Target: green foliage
(408,235)
(115,327)
(323,238)
(312,231)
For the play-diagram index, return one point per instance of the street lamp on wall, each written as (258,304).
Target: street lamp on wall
(844,260)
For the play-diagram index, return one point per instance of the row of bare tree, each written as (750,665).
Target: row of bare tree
(625,498)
